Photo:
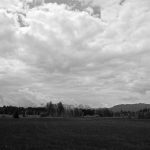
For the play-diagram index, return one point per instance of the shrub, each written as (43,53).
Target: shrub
(16,114)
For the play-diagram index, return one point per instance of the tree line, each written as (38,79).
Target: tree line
(61,110)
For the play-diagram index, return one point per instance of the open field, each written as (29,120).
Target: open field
(74,134)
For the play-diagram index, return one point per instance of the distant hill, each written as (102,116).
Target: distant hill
(130,107)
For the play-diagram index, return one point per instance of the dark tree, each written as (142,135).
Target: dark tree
(50,109)
(60,109)
(16,114)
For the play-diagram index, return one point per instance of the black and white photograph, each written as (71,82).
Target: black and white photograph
(74,74)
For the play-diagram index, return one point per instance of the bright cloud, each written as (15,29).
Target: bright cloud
(10,4)
(54,53)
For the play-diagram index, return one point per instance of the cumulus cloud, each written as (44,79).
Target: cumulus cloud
(10,4)
(72,56)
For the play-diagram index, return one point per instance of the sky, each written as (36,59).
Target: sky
(51,52)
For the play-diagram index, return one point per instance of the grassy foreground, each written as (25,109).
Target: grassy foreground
(74,134)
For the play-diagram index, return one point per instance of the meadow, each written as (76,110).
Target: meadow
(74,134)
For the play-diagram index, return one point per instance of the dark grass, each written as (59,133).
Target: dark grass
(74,134)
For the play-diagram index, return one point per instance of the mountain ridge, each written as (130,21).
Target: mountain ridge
(130,107)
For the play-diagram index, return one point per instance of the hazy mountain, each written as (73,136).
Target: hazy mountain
(130,107)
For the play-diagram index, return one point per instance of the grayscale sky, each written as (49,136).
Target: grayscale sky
(54,52)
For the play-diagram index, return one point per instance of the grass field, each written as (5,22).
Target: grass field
(74,134)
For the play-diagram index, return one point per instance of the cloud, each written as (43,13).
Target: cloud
(71,55)
(11,4)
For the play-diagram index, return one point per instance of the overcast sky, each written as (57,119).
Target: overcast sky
(53,53)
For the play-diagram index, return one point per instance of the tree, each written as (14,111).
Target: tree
(60,109)
(16,114)
(50,109)
(77,112)
(107,112)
